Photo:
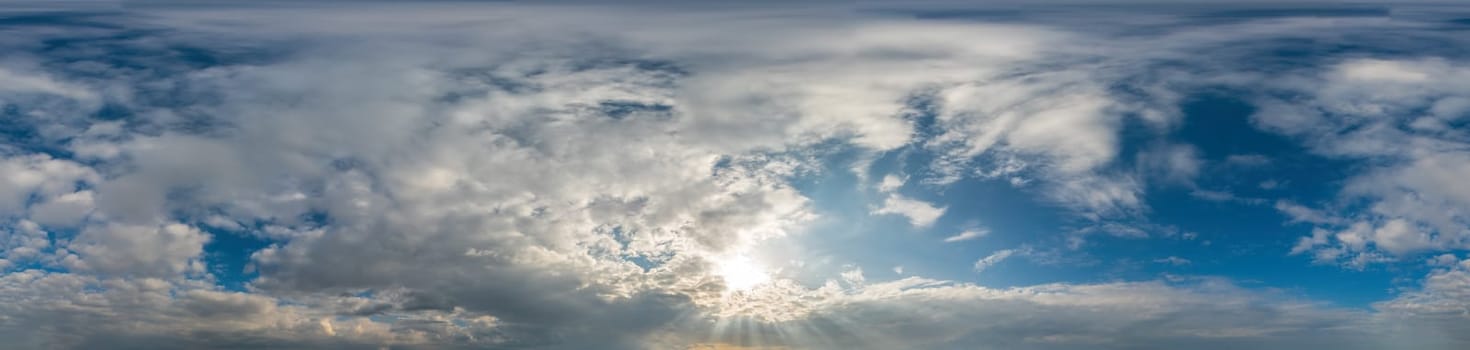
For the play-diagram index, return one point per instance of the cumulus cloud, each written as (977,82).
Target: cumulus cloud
(138,251)
(1369,109)
(41,177)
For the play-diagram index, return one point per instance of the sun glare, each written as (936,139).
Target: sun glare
(741,273)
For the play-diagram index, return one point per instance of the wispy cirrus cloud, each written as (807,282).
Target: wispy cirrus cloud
(969,234)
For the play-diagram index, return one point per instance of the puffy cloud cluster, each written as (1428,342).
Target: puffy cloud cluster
(1402,116)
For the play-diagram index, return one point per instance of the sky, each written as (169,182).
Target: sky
(768,175)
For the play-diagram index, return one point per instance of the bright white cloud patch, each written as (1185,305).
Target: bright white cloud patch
(919,214)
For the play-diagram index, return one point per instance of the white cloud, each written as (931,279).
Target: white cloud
(966,235)
(919,213)
(992,259)
(1355,111)
(23,242)
(1173,163)
(40,176)
(139,251)
(1300,213)
(1101,197)
(1386,71)
(1070,127)
(1214,196)
(890,183)
(65,210)
(15,83)
(1443,260)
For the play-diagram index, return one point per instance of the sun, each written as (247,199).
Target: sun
(741,273)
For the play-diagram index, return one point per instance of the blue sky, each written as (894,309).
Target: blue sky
(649,175)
